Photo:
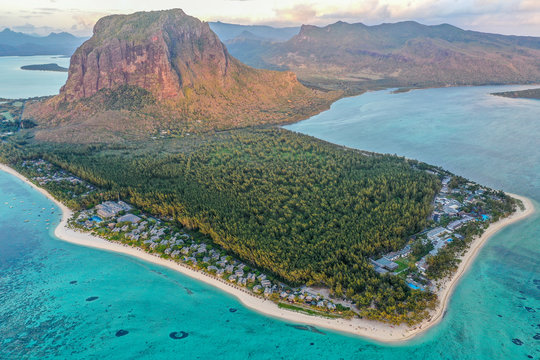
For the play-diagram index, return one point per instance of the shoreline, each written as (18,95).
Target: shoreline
(374,330)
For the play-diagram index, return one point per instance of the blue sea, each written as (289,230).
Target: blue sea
(16,83)
(63,301)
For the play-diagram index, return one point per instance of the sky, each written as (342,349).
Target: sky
(512,17)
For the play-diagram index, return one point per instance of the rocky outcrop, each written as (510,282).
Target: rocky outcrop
(162,52)
(166,72)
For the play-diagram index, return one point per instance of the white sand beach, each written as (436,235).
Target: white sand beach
(370,329)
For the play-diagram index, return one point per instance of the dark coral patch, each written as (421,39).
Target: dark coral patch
(315,330)
(92,298)
(529,309)
(121,333)
(178,335)
(233,310)
(536,337)
(517,341)
(307,328)
(299,327)
(499,315)
(73,282)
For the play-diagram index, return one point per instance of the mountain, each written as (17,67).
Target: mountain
(247,48)
(246,42)
(408,54)
(228,32)
(165,71)
(19,44)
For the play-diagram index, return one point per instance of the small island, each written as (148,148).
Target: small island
(45,67)
(523,94)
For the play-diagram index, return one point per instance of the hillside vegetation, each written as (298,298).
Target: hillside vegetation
(357,57)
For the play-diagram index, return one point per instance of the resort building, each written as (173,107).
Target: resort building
(110,208)
(134,219)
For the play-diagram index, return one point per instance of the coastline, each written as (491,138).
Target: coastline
(374,330)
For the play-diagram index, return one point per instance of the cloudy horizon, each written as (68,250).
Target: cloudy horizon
(509,17)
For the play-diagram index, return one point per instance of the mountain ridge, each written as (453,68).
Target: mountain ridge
(359,57)
(228,31)
(14,43)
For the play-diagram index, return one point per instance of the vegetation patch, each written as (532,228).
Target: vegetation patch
(306,311)
(125,97)
(306,211)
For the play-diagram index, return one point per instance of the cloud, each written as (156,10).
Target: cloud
(502,16)
(85,22)
(297,14)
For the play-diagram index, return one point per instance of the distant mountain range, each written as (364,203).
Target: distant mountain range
(227,32)
(19,44)
(357,57)
(14,43)
(247,42)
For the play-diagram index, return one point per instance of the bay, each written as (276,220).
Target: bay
(16,83)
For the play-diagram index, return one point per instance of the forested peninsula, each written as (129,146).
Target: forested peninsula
(197,150)
(306,211)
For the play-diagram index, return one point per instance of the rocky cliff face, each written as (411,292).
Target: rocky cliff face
(165,71)
(162,52)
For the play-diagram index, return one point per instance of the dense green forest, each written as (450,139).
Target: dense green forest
(303,209)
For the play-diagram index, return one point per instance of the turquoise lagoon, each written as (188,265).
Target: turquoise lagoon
(43,315)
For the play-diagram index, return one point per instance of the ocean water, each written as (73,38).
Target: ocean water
(491,140)
(16,83)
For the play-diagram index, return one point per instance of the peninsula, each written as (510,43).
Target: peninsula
(164,146)
(375,330)
(522,94)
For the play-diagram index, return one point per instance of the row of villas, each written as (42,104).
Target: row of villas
(50,174)
(439,236)
(116,218)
